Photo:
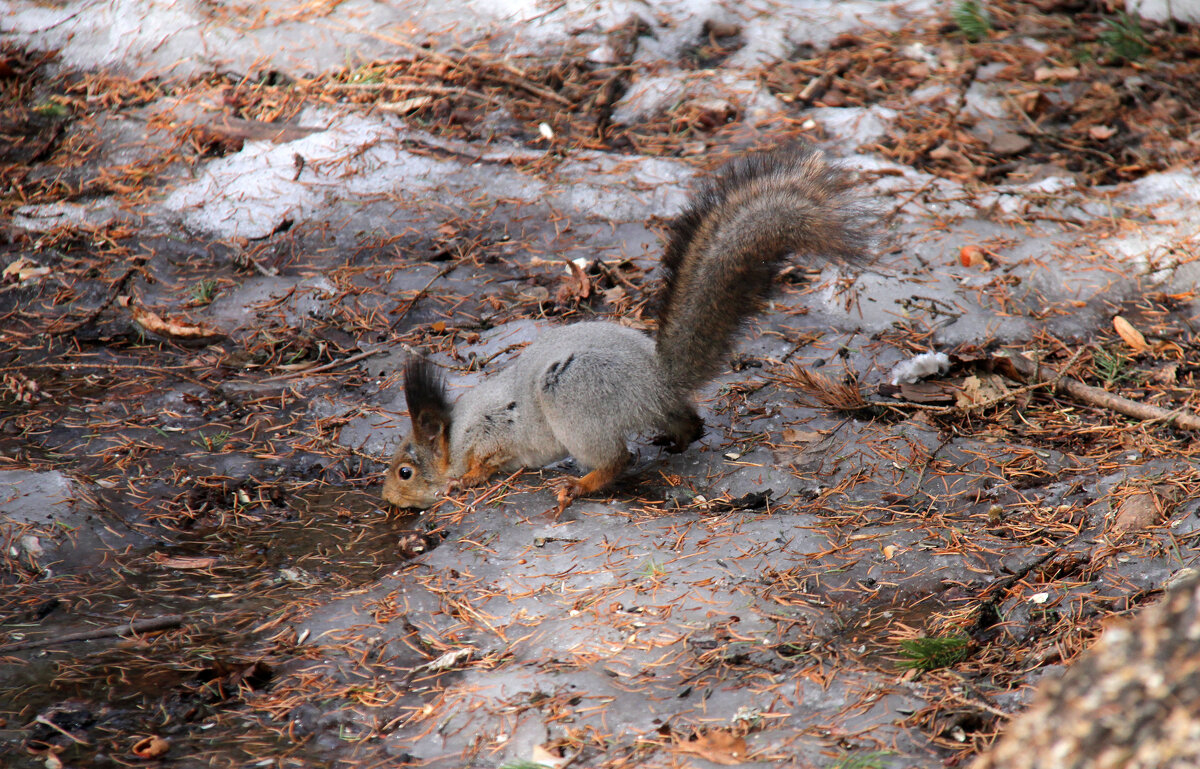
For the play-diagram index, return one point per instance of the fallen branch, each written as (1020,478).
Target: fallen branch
(113,631)
(420,293)
(1094,396)
(115,288)
(324,366)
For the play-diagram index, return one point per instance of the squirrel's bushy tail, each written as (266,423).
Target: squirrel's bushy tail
(726,248)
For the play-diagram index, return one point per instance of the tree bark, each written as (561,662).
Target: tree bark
(1132,701)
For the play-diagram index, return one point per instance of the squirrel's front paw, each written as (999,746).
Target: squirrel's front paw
(567,490)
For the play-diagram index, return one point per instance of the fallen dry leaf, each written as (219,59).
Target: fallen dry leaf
(1140,509)
(183,561)
(979,389)
(577,286)
(293,367)
(1101,132)
(1167,373)
(791,435)
(22,270)
(549,758)
(1030,102)
(717,745)
(973,256)
(154,323)
(1042,74)
(151,747)
(1129,334)
(450,659)
(406,105)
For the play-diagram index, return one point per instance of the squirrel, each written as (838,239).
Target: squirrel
(583,389)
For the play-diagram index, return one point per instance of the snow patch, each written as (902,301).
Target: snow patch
(650,96)
(854,125)
(252,193)
(1172,194)
(1161,10)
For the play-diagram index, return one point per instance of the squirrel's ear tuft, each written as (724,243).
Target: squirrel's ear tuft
(428,406)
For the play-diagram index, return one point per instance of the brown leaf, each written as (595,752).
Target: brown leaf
(174,329)
(717,745)
(1141,508)
(1166,374)
(406,105)
(937,392)
(549,757)
(794,436)
(1042,74)
(183,561)
(1031,102)
(22,270)
(576,287)
(980,389)
(151,747)
(1129,334)
(1101,132)
(1008,143)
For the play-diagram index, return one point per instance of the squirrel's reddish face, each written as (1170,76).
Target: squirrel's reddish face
(414,479)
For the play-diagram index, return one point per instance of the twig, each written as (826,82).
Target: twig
(900,206)
(514,78)
(417,297)
(253,261)
(116,288)
(113,631)
(324,366)
(440,90)
(1094,396)
(1004,583)
(47,722)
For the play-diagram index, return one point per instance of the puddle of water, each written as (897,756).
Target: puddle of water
(107,693)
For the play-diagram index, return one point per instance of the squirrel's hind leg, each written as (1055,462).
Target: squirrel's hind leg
(571,489)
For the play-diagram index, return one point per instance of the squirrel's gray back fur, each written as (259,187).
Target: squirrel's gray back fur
(560,397)
(725,250)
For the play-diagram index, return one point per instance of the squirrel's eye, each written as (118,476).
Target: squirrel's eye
(405,472)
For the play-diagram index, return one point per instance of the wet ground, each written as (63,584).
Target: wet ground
(215,265)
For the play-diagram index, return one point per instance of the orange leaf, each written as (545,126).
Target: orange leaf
(718,745)
(156,324)
(973,256)
(1042,74)
(150,747)
(1129,334)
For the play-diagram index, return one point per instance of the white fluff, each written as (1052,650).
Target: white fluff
(917,368)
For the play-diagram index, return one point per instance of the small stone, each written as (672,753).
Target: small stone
(1008,143)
